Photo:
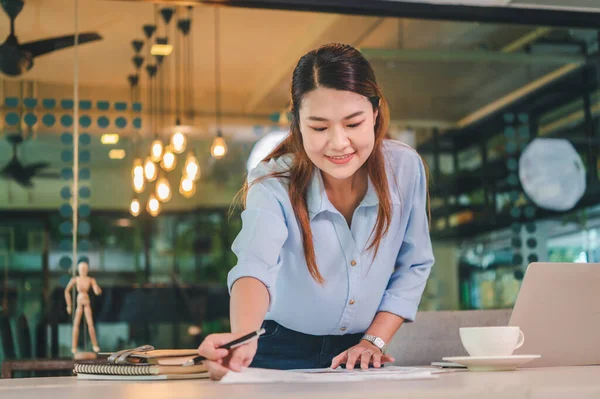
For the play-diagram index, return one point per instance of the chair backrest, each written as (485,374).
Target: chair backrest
(41,338)
(6,335)
(24,337)
(434,335)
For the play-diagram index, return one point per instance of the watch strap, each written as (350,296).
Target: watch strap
(377,341)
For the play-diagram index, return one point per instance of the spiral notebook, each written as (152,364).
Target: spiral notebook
(106,371)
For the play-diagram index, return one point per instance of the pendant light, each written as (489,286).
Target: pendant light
(185,60)
(156,151)
(187,186)
(138,168)
(135,207)
(137,171)
(150,170)
(178,140)
(218,149)
(156,148)
(163,189)
(139,183)
(191,168)
(153,205)
(169,161)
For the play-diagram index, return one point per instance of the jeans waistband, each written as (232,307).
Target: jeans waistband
(284,348)
(329,342)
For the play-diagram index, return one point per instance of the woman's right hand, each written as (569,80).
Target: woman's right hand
(220,361)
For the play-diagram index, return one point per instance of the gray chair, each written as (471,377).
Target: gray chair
(434,335)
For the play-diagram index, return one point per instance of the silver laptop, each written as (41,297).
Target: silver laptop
(558,310)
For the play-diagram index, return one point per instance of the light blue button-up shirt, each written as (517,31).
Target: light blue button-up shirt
(269,248)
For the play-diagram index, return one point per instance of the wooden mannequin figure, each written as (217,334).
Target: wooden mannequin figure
(83,282)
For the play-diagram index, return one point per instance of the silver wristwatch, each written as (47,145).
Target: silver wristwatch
(378,342)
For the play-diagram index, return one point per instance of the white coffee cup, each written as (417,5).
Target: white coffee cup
(491,341)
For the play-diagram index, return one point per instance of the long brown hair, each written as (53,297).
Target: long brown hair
(340,67)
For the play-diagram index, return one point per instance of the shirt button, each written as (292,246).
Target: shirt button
(353,263)
(343,329)
(351,302)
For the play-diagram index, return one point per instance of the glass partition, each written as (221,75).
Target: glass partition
(146,127)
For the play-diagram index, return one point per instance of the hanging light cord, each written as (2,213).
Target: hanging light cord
(217,70)
(75,132)
(75,205)
(156,85)
(162,66)
(190,66)
(150,92)
(177,70)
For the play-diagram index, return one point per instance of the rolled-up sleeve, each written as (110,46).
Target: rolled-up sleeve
(258,245)
(414,260)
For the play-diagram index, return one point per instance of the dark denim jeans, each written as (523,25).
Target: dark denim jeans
(285,349)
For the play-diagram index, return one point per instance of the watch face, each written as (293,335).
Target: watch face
(378,342)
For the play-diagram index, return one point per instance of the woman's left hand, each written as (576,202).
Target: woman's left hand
(365,353)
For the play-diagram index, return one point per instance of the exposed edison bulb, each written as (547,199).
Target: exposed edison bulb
(178,142)
(150,170)
(153,206)
(135,207)
(138,183)
(138,168)
(168,160)
(191,167)
(187,187)
(163,189)
(219,147)
(156,150)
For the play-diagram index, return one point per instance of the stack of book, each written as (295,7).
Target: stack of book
(145,364)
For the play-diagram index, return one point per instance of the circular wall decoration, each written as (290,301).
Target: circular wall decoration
(553,182)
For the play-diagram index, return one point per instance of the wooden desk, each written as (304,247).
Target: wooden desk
(542,383)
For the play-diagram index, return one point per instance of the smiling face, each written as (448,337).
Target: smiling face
(338,131)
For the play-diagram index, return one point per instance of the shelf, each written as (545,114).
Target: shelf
(485,222)
(445,211)
(463,231)
(466,181)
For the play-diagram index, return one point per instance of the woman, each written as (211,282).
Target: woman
(334,251)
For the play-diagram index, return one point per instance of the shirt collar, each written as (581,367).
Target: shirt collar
(317,200)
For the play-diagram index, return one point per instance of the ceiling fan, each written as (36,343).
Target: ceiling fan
(16,59)
(20,173)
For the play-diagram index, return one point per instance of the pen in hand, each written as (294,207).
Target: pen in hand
(230,345)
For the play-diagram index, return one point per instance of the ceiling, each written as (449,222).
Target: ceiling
(576,5)
(257,58)
(259,49)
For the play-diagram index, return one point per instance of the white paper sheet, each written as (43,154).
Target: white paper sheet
(258,376)
(380,371)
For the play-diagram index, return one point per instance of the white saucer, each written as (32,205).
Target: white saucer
(492,363)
